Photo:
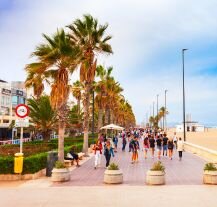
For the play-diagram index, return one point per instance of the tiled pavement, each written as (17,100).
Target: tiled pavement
(186,172)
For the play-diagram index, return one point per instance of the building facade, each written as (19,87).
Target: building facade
(11,94)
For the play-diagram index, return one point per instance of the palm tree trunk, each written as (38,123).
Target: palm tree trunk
(106,116)
(112,117)
(86,104)
(100,115)
(61,132)
(79,106)
(46,135)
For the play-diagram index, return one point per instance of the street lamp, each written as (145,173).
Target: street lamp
(93,115)
(183,89)
(165,120)
(157,109)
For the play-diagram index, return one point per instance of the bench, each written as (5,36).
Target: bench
(68,163)
(81,155)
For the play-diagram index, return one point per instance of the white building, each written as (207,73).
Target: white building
(11,94)
(190,126)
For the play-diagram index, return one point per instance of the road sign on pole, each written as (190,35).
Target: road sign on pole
(22,111)
(22,122)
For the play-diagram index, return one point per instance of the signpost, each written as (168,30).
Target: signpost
(22,111)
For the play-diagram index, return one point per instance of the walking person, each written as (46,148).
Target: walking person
(165,146)
(170,147)
(135,148)
(159,146)
(175,139)
(152,145)
(130,140)
(97,148)
(107,152)
(115,141)
(180,148)
(145,146)
(124,142)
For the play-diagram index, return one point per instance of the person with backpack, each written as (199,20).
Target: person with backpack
(170,147)
(159,146)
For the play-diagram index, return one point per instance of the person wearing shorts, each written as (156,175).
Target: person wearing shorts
(152,145)
(145,146)
(165,146)
(170,147)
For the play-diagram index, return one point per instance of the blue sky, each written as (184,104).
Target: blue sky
(148,36)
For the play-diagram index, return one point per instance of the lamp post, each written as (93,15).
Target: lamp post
(183,89)
(165,106)
(93,115)
(157,109)
(153,114)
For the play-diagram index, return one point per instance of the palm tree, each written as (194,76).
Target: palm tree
(90,36)
(42,115)
(76,91)
(101,91)
(162,113)
(59,56)
(35,78)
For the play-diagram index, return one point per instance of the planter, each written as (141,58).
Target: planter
(210,177)
(60,175)
(155,177)
(113,176)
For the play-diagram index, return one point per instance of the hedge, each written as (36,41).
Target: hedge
(33,163)
(6,165)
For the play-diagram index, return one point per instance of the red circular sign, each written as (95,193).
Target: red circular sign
(22,110)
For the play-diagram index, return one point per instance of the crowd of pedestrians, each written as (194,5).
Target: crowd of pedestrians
(151,142)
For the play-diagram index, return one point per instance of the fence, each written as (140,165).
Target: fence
(14,141)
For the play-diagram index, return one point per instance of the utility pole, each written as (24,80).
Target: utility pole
(183,89)
(157,109)
(165,115)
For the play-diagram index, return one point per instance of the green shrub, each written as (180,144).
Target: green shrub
(34,163)
(210,167)
(113,166)
(158,166)
(6,165)
(59,165)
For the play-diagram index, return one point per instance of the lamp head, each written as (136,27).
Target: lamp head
(184,50)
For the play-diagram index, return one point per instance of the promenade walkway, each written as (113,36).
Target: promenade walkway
(186,172)
(86,188)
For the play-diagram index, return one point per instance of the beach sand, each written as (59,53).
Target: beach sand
(206,139)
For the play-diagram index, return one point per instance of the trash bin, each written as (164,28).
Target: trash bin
(18,162)
(52,157)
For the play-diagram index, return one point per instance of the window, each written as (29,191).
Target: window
(21,100)
(3,101)
(14,100)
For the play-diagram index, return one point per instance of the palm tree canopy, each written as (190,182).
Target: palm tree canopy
(90,36)
(56,59)
(41,113)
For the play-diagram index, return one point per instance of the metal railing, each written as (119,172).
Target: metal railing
(15,141)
